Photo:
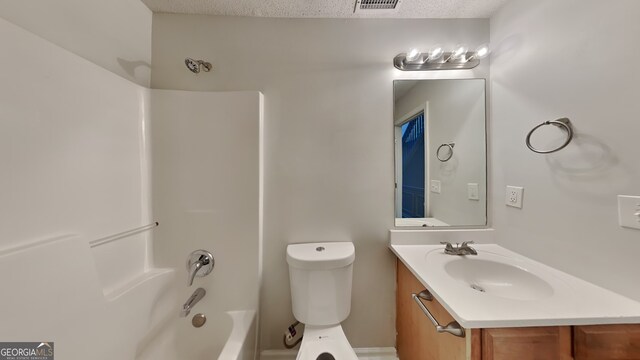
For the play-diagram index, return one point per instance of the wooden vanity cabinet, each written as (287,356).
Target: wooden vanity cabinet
(417,338)
(610,342)
(531,343)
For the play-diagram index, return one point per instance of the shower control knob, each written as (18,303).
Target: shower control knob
(200,263)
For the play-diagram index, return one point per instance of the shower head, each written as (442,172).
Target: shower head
(196,65)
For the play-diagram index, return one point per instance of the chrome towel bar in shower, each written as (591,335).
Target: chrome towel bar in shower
(445,158)
(114,237)
(563,123)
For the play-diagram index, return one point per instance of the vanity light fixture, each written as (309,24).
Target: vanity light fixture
(458,52)
(435,53)
(437,59)
(413,55)
(481,52)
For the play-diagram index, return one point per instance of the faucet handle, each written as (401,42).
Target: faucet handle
(200,263)
(447,245)
(466,243)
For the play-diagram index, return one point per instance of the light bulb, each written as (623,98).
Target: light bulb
(413,55)
(458,52)
(435,53)
(482,51)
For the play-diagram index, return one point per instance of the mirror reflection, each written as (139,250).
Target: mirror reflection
(440,152)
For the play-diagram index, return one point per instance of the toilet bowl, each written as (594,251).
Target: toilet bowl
(320,276)
(325,343)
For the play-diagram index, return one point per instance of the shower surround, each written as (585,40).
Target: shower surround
(76,148)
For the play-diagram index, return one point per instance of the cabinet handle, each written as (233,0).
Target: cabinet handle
(452,328)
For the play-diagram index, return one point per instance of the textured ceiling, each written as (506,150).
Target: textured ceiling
(327,8)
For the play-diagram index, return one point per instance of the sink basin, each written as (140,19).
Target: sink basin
(492,274)
(498,279)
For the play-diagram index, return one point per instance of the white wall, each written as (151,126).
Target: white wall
(114,34)
(455,114)
(328,136)
(207,195)
(568,58)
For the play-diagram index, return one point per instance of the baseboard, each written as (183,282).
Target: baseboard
(385,353)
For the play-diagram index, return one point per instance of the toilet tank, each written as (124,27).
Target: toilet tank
(320,277)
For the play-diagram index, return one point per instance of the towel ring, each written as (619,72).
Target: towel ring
(450,146)
(564,123)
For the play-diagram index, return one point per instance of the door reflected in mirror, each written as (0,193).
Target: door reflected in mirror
(440,152)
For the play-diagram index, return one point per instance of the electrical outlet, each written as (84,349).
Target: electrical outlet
(629,211)
(472,191)
(514,196)
(435,186)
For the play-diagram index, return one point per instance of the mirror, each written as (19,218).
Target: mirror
(440,152)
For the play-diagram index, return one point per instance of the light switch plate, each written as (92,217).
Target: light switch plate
(629,211)
(514,196)
(435,186)
(472,191)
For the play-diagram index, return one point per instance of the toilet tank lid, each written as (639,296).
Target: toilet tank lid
(321,256)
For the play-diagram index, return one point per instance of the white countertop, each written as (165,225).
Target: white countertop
(572,301)
(420,222)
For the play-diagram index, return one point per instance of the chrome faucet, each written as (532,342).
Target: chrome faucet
(192,301)
(459,250)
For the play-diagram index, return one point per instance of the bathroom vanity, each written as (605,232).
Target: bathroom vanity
(503,306)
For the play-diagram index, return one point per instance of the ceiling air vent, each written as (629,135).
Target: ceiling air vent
(376,6)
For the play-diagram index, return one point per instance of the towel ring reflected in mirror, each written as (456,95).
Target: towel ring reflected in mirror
(445,158)
(563,123)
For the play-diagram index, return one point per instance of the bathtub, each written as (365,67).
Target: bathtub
(240,344)
(229,335)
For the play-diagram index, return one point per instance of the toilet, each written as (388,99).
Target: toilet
(320,276)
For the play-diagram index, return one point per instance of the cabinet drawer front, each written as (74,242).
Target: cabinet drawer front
(607,342)
(536,343)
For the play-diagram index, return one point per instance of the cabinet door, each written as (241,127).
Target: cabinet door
(536,343)
(417,338)
(607,342)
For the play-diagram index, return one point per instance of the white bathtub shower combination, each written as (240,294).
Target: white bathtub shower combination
(78,143)
(206,199)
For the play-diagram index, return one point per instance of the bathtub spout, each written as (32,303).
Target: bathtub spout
(193,300)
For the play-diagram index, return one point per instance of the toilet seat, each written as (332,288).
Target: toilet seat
(318,340)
